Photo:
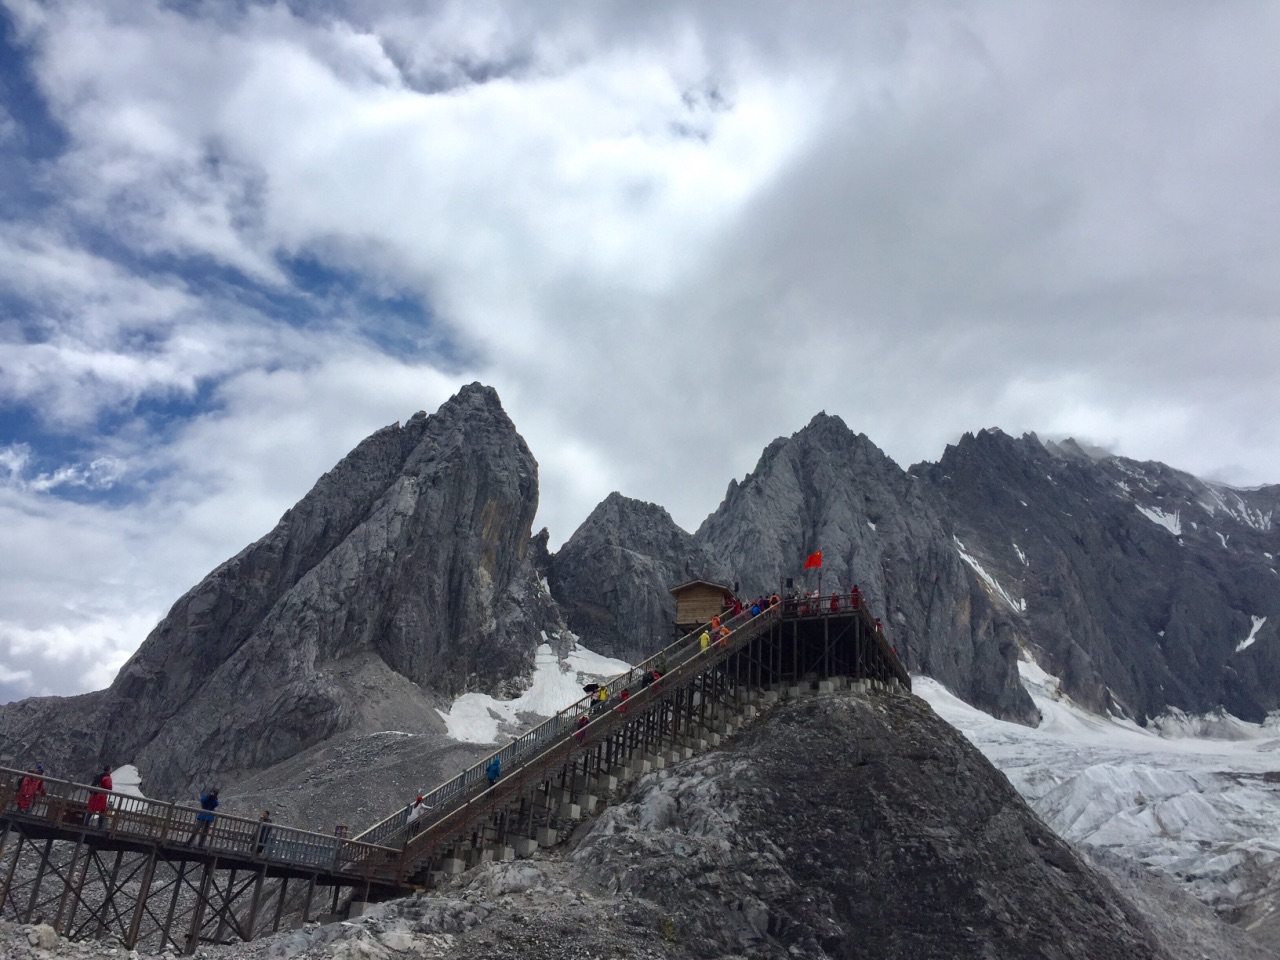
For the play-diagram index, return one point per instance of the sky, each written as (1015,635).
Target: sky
(236,238)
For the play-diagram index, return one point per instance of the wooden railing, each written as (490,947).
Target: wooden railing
(65,804)
(395,830)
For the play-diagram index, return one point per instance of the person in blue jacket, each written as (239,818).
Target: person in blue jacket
(493,771)
(204,819)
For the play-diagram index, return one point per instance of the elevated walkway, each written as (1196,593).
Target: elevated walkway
(135,875)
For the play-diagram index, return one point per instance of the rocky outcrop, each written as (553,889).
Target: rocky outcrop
(612,577)
(413,552)
(834,827)
(826,488)
(1142,587)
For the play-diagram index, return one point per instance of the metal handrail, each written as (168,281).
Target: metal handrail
(693,658)
(394,830)
(65,804)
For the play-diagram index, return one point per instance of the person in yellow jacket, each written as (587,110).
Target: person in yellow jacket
(704,641)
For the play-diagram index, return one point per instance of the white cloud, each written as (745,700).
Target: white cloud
(667,233)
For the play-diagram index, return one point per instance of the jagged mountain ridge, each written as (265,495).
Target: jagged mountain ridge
(406,569)
(1142,583)
(613,576)
(827,488)
(409,574)
(1134,582)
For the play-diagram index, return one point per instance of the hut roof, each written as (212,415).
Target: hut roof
(723,588)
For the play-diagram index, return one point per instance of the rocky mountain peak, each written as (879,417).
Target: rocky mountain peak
(826,488)
(408,561)
(613,575)
(1134,582)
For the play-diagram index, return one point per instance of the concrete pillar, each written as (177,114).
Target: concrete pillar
(357,909)
(526,847)
(655,761)
(546,837)
(570,811)
(452,866)
(826,686)
(638,767)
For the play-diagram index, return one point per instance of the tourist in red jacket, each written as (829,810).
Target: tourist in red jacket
(32,785)
(98,800)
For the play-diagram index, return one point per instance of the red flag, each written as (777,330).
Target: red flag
(815,560)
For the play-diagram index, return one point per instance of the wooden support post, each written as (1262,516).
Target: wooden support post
(306,906)
(8,878)
(284,885)
(139,908)
(109,896)
(197,912)
(67,882)
(227,900)
(173,903)
(35,884)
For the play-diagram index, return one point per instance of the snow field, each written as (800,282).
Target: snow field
(1205,810)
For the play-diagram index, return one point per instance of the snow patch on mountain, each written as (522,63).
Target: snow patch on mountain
(1170,521)
(1019,605)
(1227,501)
(480,718)
(126,779)
(1247,642)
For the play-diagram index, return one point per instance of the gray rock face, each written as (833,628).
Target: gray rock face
(880,528)
(612,576)
(834,827)
(412,550)
(1140,582)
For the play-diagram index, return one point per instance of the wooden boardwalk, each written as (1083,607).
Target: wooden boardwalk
(142,875)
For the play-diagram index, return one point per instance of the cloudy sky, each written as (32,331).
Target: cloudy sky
(238,237)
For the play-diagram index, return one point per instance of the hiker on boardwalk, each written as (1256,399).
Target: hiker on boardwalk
(97,807)
(205,818)
(704,641)
(493,771)
(32,785)
(835,603)
(416,809)
(624,696)
(855,597)
(581,735)
(264,833)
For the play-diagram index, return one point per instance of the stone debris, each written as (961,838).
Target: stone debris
(834,826)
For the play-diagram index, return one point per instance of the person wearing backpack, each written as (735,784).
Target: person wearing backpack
(493,771)
(97,806)
(205,818)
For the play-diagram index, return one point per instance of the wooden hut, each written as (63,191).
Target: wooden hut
(697,601)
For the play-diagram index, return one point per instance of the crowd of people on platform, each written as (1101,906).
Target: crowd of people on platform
(96,812)
(32,786)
